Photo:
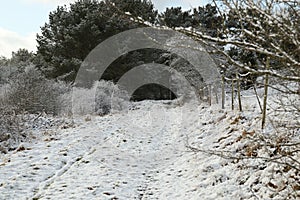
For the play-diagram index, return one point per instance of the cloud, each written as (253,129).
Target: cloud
(11,41)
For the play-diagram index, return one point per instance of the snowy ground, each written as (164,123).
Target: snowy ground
(141,154)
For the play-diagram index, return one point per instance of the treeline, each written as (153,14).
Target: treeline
(73,31)
(241,37)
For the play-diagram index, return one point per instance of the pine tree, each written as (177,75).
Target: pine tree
(72,33)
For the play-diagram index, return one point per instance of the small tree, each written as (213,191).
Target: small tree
(22,57)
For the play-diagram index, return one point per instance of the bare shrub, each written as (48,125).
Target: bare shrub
(101,99)
(11,128)
(109,97)
(22,101)
(31,92)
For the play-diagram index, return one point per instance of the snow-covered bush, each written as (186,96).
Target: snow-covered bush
(9,123)
(10,127)
(109,97)
(28,92)
(101,99)
(6,72)
(31,92)
(80,100)
(3,92)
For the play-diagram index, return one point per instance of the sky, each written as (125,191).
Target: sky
(20,20)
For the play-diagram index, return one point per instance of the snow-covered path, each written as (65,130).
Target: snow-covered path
(121,156)
(141,154)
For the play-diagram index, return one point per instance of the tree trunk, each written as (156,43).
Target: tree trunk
(264,115)
(223,92)
(239,91)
